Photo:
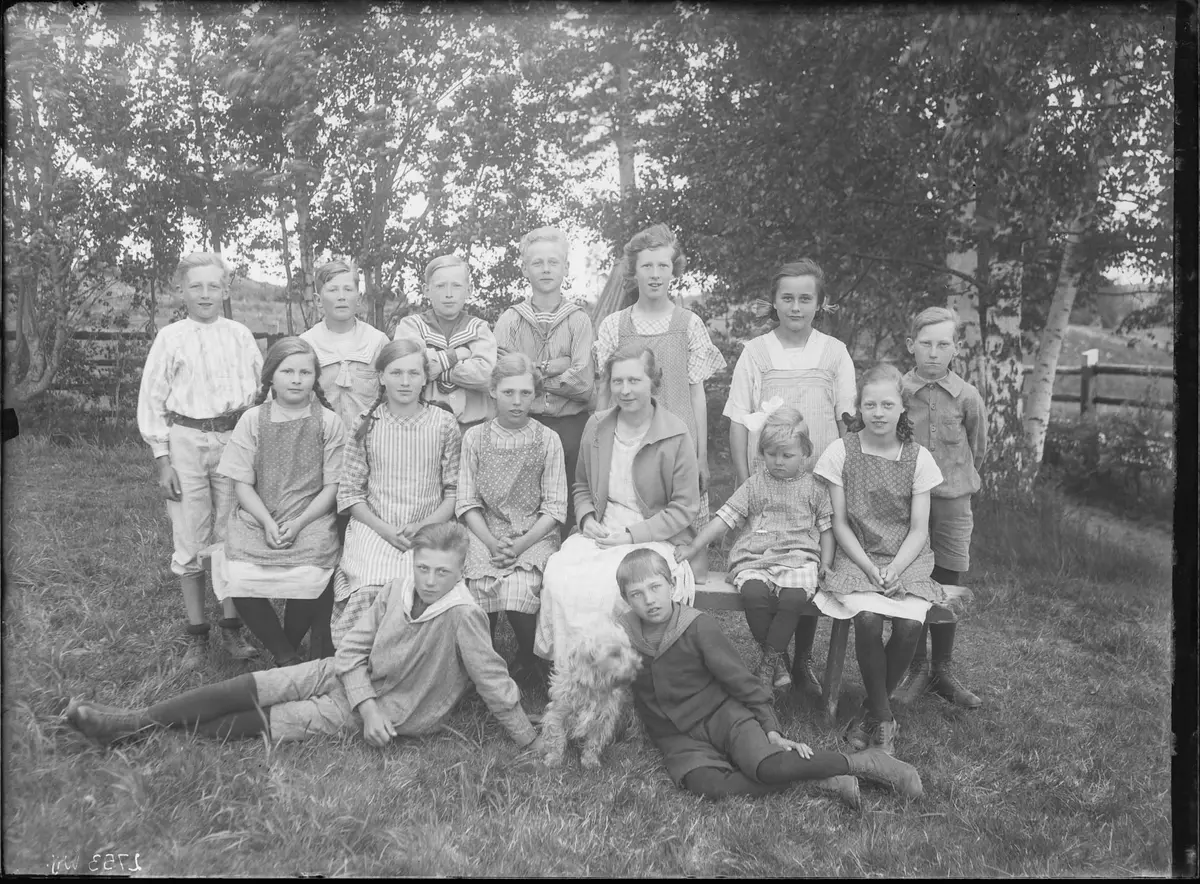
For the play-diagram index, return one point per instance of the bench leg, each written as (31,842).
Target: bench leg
(831,684)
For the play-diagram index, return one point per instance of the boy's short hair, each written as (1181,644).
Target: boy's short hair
(447,261)
(443,537)
(199,259)
(545,234)
(642,564)
(326,272)
(933,316)
(783,425)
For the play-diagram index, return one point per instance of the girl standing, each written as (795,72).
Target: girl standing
(786,537)
(682,348)
(512,495)
(400,474)
(284,457)
(346,346)
(879,483)
(806,369)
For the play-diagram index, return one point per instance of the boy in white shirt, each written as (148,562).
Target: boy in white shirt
(200,375)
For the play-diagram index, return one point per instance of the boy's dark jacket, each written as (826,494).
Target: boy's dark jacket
(694,670)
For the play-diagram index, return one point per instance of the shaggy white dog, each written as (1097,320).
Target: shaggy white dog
(590,699)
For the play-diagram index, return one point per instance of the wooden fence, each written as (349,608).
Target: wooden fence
(1089,371)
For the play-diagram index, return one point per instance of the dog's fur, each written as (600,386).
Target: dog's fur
(590,699)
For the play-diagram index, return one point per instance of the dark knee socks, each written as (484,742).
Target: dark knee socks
(941,635)
(302,615)
(760,606)
(207,703)
(806,631)
(776,772)
(872,664)
(235,725)
(524,627)
(899,650)
(783,768)
(787,617)
(260,618)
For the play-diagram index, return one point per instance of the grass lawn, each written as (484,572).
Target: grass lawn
(1064,771)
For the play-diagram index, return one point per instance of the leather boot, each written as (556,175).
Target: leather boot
(877,766)
(944,683)
(106,724)
(845,787)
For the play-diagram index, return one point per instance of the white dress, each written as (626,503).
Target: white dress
(580,583)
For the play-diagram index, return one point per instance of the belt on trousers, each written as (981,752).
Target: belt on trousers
(222,423)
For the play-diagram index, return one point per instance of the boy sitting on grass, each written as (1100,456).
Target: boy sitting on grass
(710,717)
(399,671)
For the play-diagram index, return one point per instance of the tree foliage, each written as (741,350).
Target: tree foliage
(990,159)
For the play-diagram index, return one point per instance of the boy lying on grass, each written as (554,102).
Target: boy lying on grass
(399,671)
(710,717)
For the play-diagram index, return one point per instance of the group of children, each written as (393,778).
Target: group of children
(400,438)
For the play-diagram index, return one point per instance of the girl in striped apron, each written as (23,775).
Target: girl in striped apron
(512,495)
(400,473)
(805,369)
(679,339)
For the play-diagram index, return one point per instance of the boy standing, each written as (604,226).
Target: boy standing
(399,671)
(200,375)
(948,418)
(710,717)
(460,350)
(557,335)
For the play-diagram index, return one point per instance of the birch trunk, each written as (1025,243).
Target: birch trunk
(1041,382)
(1003,379)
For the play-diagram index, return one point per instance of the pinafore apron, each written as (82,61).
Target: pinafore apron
(671,354)
(878,506)
(288,469)
(510,484)
(808,390)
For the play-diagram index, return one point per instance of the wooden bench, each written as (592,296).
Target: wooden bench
(717,594)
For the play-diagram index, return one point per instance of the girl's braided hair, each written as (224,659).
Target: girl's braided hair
(881,373)
(390,353)
(281,350)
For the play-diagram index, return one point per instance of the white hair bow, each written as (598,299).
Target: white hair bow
(756,421)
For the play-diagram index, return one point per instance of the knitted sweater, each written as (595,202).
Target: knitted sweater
(693,671)
(417,669)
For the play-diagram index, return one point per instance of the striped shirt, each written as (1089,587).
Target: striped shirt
(703,360)
(199,370)
(463,382)
(554,473)
(402,470)
(543,336)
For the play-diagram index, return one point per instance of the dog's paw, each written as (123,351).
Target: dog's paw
(553,759)
(590,760)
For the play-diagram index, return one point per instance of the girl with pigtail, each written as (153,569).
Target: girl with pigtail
(400,473)
(879,483)
(284,457)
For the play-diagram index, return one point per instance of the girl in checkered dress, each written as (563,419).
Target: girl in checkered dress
(512,494)
(786,536)
(400,474)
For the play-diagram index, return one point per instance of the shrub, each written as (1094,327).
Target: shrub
(1125,460)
